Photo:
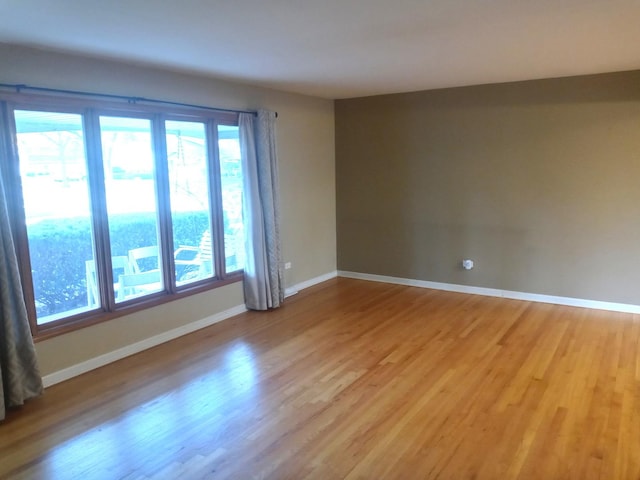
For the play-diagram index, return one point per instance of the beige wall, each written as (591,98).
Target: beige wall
(306,150)
(538,182)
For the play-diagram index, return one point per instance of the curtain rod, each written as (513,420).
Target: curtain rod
(132,100)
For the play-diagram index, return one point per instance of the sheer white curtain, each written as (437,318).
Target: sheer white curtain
(19,374)
(263,279)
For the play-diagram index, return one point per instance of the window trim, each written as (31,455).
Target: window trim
(91,110)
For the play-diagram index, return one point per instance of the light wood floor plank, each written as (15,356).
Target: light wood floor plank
(353,380)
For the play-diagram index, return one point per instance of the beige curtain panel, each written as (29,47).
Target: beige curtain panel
(19,374)
(263,276)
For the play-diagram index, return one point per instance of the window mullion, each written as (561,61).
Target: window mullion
(217,217)
(164,205)
(93,145)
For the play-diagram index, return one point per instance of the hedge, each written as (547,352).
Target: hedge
(60,247)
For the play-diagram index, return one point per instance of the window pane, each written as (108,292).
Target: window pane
(58,214)
(231,180)
(132,207)
(189,196)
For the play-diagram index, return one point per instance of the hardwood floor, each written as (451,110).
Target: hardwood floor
(357,380)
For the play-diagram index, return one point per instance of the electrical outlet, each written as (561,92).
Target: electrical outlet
(287,266)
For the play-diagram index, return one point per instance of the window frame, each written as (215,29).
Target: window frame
(91,110)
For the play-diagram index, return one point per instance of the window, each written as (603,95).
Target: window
(190,193)
(131,192)
(119,208)
(231,181)
(55,191)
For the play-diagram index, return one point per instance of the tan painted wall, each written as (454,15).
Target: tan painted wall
(306,150)
(538,182)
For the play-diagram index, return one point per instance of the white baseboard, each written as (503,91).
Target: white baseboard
(312,281)
(289,292)
(101,360)
(492,292)
(120,353)
(294,289)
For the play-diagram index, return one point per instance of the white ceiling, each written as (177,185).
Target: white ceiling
(341,48)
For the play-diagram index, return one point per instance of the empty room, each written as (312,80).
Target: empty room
(325,240)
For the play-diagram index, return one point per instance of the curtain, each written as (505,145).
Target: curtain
(20,377)
(263,279)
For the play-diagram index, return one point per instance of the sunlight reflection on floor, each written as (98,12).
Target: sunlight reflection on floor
(202,409)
